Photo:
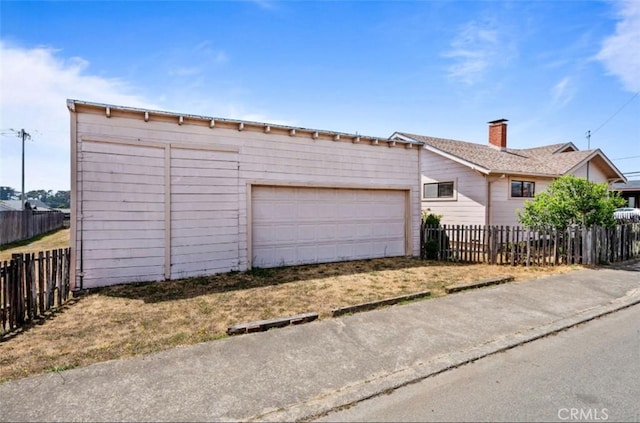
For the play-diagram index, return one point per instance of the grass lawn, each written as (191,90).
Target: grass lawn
(50,241)
(129,320)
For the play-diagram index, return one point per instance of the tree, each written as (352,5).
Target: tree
(8,193)
(570,200)
(61,199)
(39,194)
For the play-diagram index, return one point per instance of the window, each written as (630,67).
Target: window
(438,190)
(523,189)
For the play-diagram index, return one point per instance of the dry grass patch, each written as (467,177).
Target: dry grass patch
(128,320)
(45,242)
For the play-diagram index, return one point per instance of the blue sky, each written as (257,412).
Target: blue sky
(555,69)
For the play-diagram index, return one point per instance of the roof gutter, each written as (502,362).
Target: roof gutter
(532,174)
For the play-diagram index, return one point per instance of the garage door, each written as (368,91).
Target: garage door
(294,225)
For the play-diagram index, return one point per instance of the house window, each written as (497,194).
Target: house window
(438,190)
(523,189)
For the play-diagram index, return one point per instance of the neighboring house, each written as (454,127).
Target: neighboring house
(38,205)
(6,206)
(158,195)
(474,184)
(630,191)
(16,205)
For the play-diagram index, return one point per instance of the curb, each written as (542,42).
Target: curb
(375,304)
(384,383)
(471,285)
(263,325)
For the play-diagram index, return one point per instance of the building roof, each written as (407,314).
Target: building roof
(4,206)
(17,204)
(629,186)
(10,205)
(547,161)
(240,125)
(39,205)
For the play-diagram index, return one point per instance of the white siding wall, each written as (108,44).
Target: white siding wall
(123,213)
(468,207)
(265,158)
(595,173)
(504,208)
(204,212)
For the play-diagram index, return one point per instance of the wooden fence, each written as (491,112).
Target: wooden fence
(520,246)
(31,285)
(19,225)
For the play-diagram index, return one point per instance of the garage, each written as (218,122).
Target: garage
(159,195)
(303,225)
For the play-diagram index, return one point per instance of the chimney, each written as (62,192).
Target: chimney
(498,134)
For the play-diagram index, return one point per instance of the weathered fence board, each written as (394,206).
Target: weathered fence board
(19,225)
(528,247)
(31,285)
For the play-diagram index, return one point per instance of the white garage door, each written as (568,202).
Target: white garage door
(292,225)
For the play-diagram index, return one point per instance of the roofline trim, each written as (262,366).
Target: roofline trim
(180,117)
(457,159)
(530,174)
(564,146)
(598,152)
(444,154)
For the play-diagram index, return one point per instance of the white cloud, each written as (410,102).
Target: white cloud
(474,51)
(265,4)
(619,52)
(185,71)
(34,85)
(562,92)
(206,50)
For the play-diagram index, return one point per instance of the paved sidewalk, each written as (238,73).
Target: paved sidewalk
(301,371)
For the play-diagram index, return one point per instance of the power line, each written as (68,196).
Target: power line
(617,111)
(626,158)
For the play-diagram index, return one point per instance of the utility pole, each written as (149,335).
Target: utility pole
(24,135)
(588,148)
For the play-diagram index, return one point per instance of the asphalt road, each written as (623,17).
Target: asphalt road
(587,373)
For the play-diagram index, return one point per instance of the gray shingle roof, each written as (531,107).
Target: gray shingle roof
(546,160)
(629,186)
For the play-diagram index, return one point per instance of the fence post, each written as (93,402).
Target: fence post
(11,291)
(494,245)
(4,293)
(422,239)
(48,277)
(41,279)
(585,250)
(28,285)
(67,273)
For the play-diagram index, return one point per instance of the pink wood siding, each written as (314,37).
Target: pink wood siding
(470,186)
(203,183)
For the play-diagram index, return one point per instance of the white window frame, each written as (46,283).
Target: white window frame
(455,190)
